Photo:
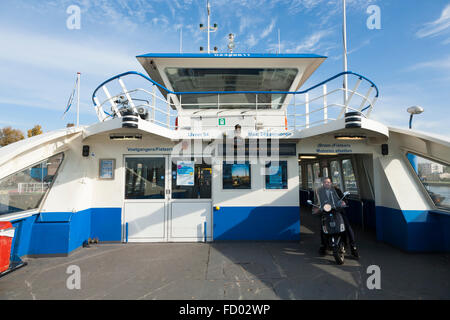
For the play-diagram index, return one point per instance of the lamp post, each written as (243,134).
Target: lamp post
(414,110)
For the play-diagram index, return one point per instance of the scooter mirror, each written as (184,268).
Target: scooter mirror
(346,193)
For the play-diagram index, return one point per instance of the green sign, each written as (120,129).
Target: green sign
(221,121)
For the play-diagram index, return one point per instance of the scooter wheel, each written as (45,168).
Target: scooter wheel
(339,254)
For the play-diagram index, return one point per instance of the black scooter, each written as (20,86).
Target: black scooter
(333,227)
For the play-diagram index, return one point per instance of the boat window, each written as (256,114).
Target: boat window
(24,190)
(236,176)
(276,175)
(310,177)
(435,177)
(191,179)
(316,172)
(325,172)
(212,79)
(300,177)
(349,177)
(144,178)
(336,174)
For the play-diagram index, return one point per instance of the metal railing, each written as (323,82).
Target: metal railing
(300,113)
(33,187)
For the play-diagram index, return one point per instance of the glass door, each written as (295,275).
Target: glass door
(190,204)
(145,178)
(146,197)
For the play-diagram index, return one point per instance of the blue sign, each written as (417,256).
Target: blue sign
(185,173)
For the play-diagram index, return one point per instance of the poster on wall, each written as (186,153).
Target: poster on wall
(276,177)
(236,176)
(275,180)
(185,173)
(107,167)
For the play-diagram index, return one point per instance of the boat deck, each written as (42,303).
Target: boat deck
(233,270)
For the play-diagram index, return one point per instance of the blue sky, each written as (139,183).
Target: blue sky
(408,58)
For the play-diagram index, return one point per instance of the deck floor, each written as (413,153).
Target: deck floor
(233,270)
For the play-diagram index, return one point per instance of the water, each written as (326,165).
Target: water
(443,191)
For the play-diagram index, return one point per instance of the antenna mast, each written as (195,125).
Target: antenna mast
(181,40)
(209,28)
(344,33)
(279,43)
(78,97)
(208,8)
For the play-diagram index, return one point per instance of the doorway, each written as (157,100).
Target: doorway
(167,199)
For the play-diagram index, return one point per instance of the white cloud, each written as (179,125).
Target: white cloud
(310,43)
(45,52)
(251,41)
(161,21)
(441,64)
(437,27)
(248,22)
(297,6)
(268,29)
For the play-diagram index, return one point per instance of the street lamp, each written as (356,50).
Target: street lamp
(414,110)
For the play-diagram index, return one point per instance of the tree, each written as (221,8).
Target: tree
(9,135)
(36,130)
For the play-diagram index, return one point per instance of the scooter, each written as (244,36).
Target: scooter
(333,227)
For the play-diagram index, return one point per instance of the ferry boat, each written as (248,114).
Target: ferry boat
(223,146)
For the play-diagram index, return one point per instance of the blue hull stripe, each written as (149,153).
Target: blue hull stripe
(63,232)
(414,230)
(257,223)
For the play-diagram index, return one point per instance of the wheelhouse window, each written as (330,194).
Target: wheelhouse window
(24,190)
(231,79)
(349,177)
(435,177)
(276,175)
(236,176)
(187,186)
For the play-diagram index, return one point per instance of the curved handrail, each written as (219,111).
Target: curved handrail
(236,92)
(125,74)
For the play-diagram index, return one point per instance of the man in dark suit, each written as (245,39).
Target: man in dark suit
(332,195)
